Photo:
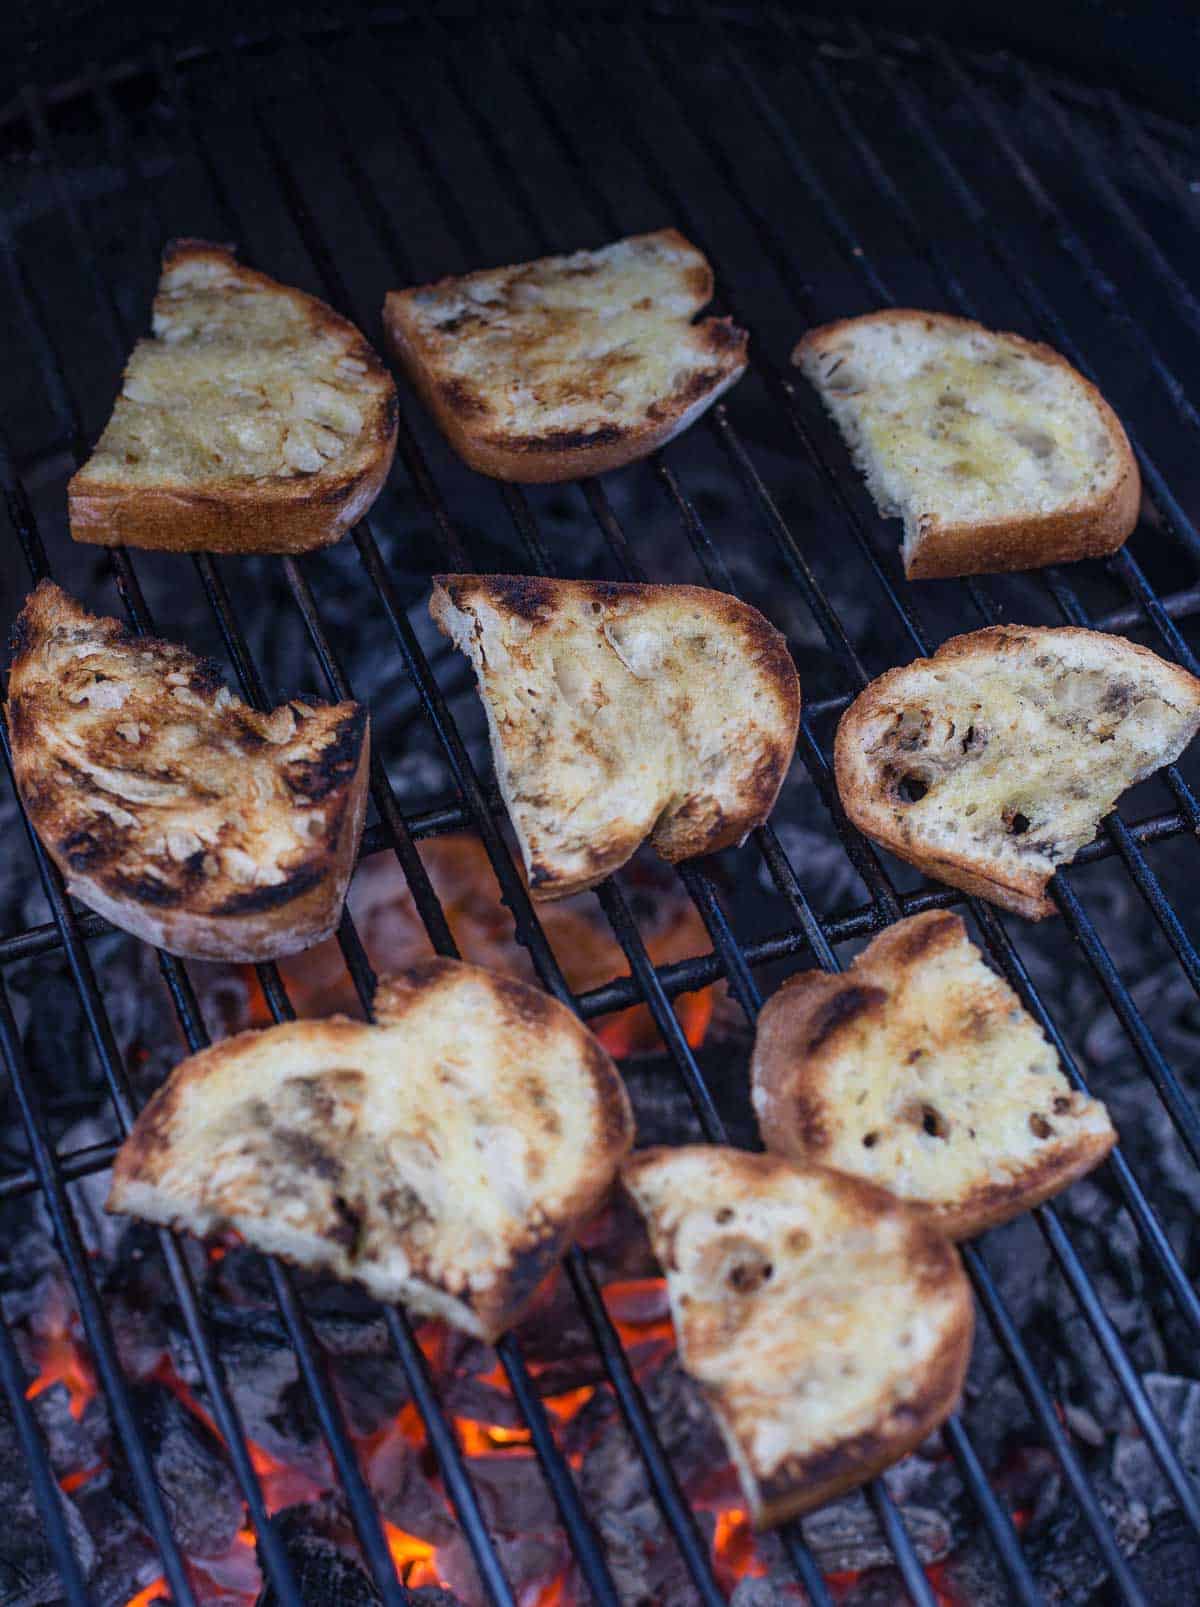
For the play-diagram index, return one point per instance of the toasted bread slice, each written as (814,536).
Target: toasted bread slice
(619,713)
(994,762)
(828,1325)
(171,807)
(443,1156)
(919,1071)
(255,420)
(568,366)
(994,451)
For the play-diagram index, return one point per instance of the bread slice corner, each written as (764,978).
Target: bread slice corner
(993,762)
(994,451)
(444,1155)
(172,808)
(253,419)
(918,1070)
(570,365)
(621,713)
(828,1326)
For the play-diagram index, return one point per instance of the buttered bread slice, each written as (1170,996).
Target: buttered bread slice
(919,1071)
(828,1325)
(619,713)
(572,365)
(443,1156)
(170,806)
(994,762)
(994,451)
(254,420)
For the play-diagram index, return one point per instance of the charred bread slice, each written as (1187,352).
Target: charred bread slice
(918,1070)
(622,712)
(255,419)
(994,762)
(443,1156)
(994,451)
(170,806)
(568,366)
(828,1325)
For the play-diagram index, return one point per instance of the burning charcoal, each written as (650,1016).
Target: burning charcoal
(515,1496)
(74,1444)
(767,1593)
(203,1501)
(1062,1550)
(372,1389)
(405,1496)
(27,1572)
(845,1536)
(127,1559)
(481,1403)
(325,1564)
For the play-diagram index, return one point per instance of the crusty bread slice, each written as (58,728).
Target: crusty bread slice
(993,762)
(918,1070)
(622,712)
(443,1156)
(171,807)
(994,451)
(568,366)
(255,420)
(828,1325)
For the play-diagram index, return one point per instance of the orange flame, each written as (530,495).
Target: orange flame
(415,1559)
(734,1551)
(155,1591)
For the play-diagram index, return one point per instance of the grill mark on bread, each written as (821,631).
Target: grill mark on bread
(849,1004)
(179,812)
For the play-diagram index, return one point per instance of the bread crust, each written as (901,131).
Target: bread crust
(834,1461)
(560,455)
(115,802)
(1022,889)
(685,824)
(291,514)
(818,1024)
(342,1172)
(1082,528)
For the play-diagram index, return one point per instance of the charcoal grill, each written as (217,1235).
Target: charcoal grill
(825,169)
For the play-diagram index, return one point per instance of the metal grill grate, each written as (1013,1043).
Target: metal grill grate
(847,169)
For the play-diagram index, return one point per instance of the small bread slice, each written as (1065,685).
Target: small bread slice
(172,808)
(255,420)
(828,1325)
(918,1070)
(994,762)
(619,713)
(994,451)
(568,366)
(443,1156)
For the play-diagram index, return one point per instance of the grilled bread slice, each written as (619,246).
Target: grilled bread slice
(623,712)
(255,420)
(918,1070)
(443,1156)
(572,365)
(828,1325)
(994,451)
(171,807)
(993,762)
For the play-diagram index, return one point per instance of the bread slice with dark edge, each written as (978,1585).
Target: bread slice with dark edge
(621,712)
(255,419)
(828,1326)
(444,1156)
(994,762)
(918,1070)
(994,451)
(568,366)
(170,806)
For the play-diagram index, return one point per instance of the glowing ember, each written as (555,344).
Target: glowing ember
(734,1554)
(156,1591)
(62,1360)
(415,1559)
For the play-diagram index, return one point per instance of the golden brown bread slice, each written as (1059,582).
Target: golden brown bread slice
(572,365)
(172,808)
(254,420)
(443,1156)
(996,453)
(621,712)
(994,762)
(828,1325)
(919,1071)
